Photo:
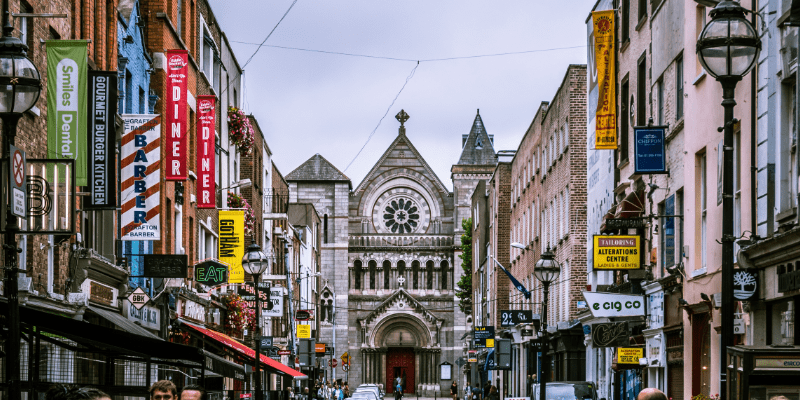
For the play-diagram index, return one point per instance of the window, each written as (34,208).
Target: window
(325,228)
(141,101)
(641,91)
(26,27)
(660,100)
(415,273)
(642,10)
(624,118)
(700,23)
(703,191)
(357,274)
(387,272)
(179,18)
(626,20)
(372,270)
(128,92)
(679,88)
(207,244)
(429,274)
(443,266)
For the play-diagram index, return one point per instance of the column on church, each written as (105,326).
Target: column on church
(382,367)
(417,372)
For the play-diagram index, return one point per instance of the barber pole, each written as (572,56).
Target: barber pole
(206,124)
(175,113)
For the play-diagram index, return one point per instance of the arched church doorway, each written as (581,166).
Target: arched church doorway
(400,365)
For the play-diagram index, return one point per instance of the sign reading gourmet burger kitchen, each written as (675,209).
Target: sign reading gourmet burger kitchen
(177,77)
(206,122)
(102,140)
(616,252)
(606,113)
(140,164)
(231,243)
(66,103)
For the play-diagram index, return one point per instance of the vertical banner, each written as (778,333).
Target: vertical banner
(175,113)
(206,124)
(606,119)
(102,140)
(66,103)
(140,164)
(231,243)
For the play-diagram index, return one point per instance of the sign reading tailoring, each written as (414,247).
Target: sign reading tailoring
(102,139)
(140,163)
(231,243)
(66,103)
(177,77)
(606,113)
(616,252)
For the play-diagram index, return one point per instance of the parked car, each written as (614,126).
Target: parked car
(372,387)
(363,395)
(567,391)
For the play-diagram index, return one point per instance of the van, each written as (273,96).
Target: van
(567,391)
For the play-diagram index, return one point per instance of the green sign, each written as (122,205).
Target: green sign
(66,103)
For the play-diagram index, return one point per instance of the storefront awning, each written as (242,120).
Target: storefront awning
(608,215)
(216,365)
(631,206)
(122,322)
(241,348)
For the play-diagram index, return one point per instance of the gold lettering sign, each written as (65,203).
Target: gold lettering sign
(606,114)
(101,293)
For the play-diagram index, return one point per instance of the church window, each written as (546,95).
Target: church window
(325,228)
(387,271)
(372,270)
(401,273)
(401,216)
(443,265)
(429,273)
(357,274)
(415,273)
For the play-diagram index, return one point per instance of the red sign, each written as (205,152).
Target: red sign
(206,124)
(333,363)
(177,77)
(245,395)
(284,352)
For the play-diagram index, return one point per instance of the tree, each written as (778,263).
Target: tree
(464,290)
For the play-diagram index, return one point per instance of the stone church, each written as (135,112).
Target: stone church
(390,260)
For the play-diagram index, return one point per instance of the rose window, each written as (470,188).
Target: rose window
(401,216)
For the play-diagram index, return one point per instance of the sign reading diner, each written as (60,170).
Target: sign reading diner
(616,252)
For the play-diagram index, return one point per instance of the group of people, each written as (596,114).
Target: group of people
(329,391)
(489,392)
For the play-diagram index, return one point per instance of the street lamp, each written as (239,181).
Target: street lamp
(728,49)
(20,85)
(546,271)
(255,262)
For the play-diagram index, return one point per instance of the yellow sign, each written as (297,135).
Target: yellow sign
(303,331)
(606,113)
(616,252)
(231,243)
(489,342)
(345,358)
(629,355)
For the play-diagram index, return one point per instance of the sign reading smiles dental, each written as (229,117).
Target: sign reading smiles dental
(102,140)
(66,103)
(610,305)
(177,77)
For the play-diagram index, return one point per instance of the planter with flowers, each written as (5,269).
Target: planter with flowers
(239,317)
(240,131)
(237,201)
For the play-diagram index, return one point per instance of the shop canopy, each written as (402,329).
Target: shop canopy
(246,351)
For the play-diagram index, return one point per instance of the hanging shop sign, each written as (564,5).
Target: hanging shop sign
(745,283)
(527,332)
(100,293)
(626,223)
(211,272)
(206,124)
(231,243)
(66,103)
(148,316)
(515,317)
(50,200)
(483,337)
(177,77)
(613,334)
(629,355)
(616,252)
(319,348)
(193,310)
(165,265)
(18,193)
(304,315)
(102,140)
(614,305)
(140,165)
(606,114)
(303,331)
(655,310)
(271,304)
(138,298)
(650,155)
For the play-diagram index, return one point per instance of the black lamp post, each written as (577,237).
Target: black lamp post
(255,262)
(20,86)
(546,271)
(728,49)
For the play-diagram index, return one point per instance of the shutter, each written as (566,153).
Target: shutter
(675,381)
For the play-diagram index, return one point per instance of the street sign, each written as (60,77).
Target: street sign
(138,298)
(284,352)
(510,318)
(484,337)
(345,358)
(345,367)
(16,181)
(333,362)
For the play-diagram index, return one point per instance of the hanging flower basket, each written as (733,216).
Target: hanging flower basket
(240,131)
(236,201)
(239,316)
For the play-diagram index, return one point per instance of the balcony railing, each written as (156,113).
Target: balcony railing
(429,241)
(276,201)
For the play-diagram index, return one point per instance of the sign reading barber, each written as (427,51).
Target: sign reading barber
(140,186)
(610,305)
(102,140)
(175,113)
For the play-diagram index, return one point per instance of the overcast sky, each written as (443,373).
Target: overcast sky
(312,102)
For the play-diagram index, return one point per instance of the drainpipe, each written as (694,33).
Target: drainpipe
(293,347)
(753,144)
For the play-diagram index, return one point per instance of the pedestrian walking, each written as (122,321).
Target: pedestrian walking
(346,390)
(193,392)
(64,392)
(163,390)
(454,390)
(493,395)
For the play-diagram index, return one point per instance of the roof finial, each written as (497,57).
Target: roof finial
(402,116)
(479,111)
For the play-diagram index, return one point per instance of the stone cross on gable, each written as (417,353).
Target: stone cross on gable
(401,280)
(402,116)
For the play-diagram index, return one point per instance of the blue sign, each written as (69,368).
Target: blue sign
(649,151)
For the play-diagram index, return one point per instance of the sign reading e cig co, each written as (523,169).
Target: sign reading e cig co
(614,305)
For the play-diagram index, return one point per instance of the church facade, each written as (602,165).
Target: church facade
(390,261)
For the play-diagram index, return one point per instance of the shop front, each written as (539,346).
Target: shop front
(763,372)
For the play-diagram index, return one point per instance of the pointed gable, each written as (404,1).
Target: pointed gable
(400,301)
(478,148)
(317,168)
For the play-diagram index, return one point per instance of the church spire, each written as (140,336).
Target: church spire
(477,146)
(402,116)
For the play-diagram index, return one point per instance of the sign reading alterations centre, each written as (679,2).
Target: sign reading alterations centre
(616,252)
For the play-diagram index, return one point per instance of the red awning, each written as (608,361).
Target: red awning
(632,205)
(241,348)
(608,215)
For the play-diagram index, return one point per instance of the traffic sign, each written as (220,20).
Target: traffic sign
(515,317)
(345,367)
(345,358)
(333,363)
(16,181)
(138,298)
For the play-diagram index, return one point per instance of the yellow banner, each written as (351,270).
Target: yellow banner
(616,252)
(629,355)
(303,331)
(231,243)
(606,115)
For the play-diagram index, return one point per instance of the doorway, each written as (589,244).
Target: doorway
(400,364)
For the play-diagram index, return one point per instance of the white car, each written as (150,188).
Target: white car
(371,387)
(364,395)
